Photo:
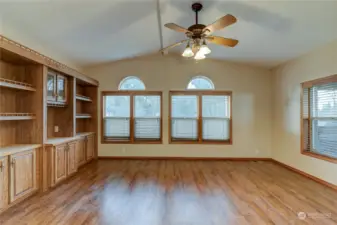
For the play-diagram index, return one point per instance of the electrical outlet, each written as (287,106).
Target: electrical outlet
(123,149)
(257,151)
(56,129)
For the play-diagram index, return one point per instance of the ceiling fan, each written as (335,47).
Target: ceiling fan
(198,34)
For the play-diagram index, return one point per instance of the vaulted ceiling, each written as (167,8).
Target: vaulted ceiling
(92,32)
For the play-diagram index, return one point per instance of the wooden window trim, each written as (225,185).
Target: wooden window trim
(131,94)
(199,119)
(309,84)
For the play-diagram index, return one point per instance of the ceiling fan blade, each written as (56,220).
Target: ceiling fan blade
(219,24)
(177,28)
(222,41)
(173,45)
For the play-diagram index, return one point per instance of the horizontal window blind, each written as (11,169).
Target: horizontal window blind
(116,128)
(147,113)
(215,118)
(320,126)
(184,117)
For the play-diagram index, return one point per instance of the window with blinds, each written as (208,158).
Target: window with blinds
(132,117)
(200,117)
(319,118)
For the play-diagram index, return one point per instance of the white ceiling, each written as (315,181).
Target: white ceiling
(92,32)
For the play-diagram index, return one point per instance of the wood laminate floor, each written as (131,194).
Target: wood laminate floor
(169,192)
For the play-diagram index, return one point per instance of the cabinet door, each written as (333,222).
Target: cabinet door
(61,89)
(80,149)
(51,86)
(3,183)
(60,163)
(71,158)
(22,174)
(90,146)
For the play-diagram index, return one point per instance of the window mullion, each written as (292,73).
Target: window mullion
(131,118)
(200,118)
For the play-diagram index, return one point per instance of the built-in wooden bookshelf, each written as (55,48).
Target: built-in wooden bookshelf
(86,107)
(35,120)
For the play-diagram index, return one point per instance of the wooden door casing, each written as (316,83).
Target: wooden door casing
(71,158)
(81,152)
(3,182)
(22,174)
(60,164)
(90,146)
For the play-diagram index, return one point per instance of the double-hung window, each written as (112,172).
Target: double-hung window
(319,118)
(200,116)
(131,115)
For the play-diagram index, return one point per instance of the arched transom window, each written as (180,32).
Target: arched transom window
(131,83)
(201,82)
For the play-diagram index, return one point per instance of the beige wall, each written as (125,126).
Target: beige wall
(286,111)
(251,103)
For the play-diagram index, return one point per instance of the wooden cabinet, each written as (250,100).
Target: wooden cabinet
(64,162)
(71,158)
(90,147)
(3,183)
(57,88)
(22,174)
(81,151)
(59,167)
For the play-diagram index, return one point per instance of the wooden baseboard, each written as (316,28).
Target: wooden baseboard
(318,180)
(180,158)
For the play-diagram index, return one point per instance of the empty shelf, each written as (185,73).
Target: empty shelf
(16,85)
(17,116)
(83,98)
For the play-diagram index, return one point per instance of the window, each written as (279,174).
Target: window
(200,116)
(319,118)
(131,83)
(131,116)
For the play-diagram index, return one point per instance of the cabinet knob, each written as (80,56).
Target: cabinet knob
(2,167)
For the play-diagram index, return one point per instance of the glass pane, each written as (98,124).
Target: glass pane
(117,106)
(200,83)
(215,106)
(61,89)
(215,129)
(147,106)
(131,83)
(184,106)
(324,100)
(50,85)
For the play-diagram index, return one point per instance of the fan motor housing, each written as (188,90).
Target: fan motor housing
(196,29)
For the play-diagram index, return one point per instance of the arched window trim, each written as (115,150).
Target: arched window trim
(128,78)
(201,77)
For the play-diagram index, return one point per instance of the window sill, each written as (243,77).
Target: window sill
(318,156)
(131,142)
(201,143)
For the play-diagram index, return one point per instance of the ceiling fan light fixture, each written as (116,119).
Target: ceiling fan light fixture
(200,55)
(188,51)
(204,48)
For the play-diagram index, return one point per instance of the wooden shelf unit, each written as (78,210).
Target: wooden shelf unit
(86,107)
(16,85)
(21,100)
(28,119)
